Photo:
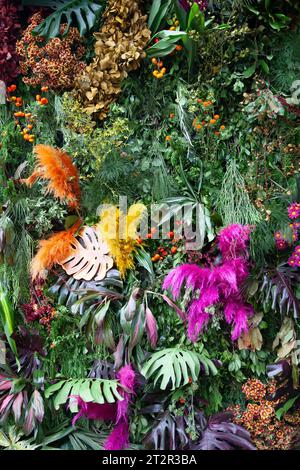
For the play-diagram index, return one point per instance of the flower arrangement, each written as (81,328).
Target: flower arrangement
(259,418)
(117,331)
(53,64)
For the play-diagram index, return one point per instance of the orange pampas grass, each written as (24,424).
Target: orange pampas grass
(56,166)
(53,251)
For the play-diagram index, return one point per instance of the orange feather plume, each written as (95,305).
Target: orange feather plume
(53,251)
(56,167)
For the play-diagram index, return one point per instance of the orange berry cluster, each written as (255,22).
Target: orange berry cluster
(163,251)
(42,100)
(204,120)
(18,102)
(27,126)
(160,70)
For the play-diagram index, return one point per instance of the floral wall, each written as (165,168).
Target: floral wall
(149,225)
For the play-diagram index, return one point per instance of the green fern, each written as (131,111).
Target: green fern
(234,204)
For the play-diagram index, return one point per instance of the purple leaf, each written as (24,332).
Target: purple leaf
(17,406)
(181,314)
(38,405)
(151,328)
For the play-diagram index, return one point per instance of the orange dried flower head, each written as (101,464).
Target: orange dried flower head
(52,251)
(56,167)
(53,64)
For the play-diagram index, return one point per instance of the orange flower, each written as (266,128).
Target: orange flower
(206,103)
(178,47)
(216,116)
(213,121)
(168,138)
(172,115)
(173,250)
(38,98)
(56,166)
(222,127)
(198,126)
(154,61)
(52,251)
(45,88)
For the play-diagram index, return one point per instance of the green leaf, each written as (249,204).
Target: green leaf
(286,407)
(90,390)
(181,15)
(172,367)
(8,319)
(53,388)
(97,393)
(70,221)
(85,12)
(63,394)
(157,13)
(264,66)
(250,71)
(144,260)
(196,19)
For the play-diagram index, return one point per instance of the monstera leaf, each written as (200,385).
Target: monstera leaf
(221,434)
(90,390)
(169,433)
(84,11)
(89,257)
(173,367)
(279,287)
(73,293)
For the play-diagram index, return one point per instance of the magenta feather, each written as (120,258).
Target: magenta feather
(220,284)
(90,410)
(237,313)
(198,317)
(233,241)
(119,437)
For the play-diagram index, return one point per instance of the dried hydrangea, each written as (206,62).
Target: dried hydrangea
(53,64)
(119,49)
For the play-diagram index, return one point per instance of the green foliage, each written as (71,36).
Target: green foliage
(8,320)
(85,12)
(173,367)
(95,390)
(234,204)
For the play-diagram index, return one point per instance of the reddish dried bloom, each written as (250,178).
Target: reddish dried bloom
(259,418)
(54,64)
(38,309)
(9,30)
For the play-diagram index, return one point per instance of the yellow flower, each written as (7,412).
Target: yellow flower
(120,233)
